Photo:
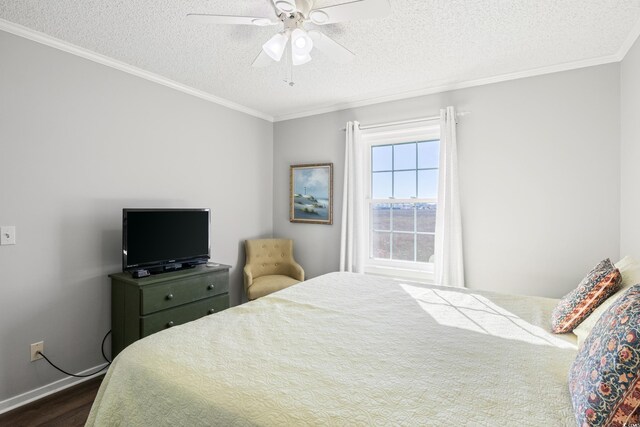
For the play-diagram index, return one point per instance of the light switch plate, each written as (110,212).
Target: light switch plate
(7,235)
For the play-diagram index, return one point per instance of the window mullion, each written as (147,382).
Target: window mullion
(393,175)
(415,230)
(393,194)
(390,231)
(417,191)
(415,214)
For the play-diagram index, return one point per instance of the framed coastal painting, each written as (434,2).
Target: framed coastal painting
(311,193)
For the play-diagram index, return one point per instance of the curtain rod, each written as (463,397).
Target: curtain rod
(406,122)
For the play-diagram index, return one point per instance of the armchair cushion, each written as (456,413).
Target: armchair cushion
(268,284)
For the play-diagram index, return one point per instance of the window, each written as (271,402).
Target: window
(401,198)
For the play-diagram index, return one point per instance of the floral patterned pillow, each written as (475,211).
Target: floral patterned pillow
(574,307)
(603,379)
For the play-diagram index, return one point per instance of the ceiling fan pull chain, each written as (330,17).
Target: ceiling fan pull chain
(291,82)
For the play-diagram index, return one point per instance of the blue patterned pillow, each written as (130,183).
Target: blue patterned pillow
(603,379)
(601,282)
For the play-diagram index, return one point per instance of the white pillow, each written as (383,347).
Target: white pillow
(630,272)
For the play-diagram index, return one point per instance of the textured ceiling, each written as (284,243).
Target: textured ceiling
(422,44)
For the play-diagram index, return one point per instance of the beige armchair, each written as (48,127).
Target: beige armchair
(270,267)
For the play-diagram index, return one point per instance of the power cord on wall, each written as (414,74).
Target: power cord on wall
(87,375)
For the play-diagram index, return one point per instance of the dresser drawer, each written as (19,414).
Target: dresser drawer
(172,294)
(175,316)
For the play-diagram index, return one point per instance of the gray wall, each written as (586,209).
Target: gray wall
(78,142)
(539,161)
(539,175)
(630,152)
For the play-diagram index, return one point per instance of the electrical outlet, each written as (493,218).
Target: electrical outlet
(35,348)
(8,235)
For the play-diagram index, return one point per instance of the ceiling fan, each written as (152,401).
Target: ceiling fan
(294,14)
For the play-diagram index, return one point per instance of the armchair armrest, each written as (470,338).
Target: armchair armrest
(296,271)
(248,277)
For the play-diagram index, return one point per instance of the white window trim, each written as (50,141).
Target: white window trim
(385,136)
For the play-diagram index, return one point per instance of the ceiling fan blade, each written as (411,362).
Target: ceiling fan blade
(231,20)
(360,9)
(284,6)
(262,60)
(332,48)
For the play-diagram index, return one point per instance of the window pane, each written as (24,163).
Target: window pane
(381,216)
(404,184)
(426,217)
(380,245)
(381,158)
(403,246)
(428,154)
(381,185)
(403,217)
(428,183)
(425,247)
(404,156)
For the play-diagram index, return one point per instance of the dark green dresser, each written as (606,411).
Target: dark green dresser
(141,307)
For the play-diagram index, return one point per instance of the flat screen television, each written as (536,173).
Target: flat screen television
(165,239)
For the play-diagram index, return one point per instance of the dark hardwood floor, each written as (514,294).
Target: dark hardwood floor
(67,408)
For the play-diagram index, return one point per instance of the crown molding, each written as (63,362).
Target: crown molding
(398,94)
(38,37)
(629,42)
(360,101)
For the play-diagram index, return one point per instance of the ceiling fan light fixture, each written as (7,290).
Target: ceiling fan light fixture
(318,17)
(286,6)
(301,43)
(275,46)
(300,59)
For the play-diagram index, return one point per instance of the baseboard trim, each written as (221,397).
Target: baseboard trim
(46,390)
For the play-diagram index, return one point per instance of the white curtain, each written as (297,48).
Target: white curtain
(448,268)
(352,250)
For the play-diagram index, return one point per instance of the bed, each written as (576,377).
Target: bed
(349,349)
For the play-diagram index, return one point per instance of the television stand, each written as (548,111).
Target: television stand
(139,274)
(175,267)
(167,268)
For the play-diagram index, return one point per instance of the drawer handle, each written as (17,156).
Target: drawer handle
(170,324)
(211,286)
(170,296)
(212,310)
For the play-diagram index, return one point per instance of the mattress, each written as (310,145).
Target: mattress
(349,349)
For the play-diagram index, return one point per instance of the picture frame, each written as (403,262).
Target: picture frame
(311,193)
